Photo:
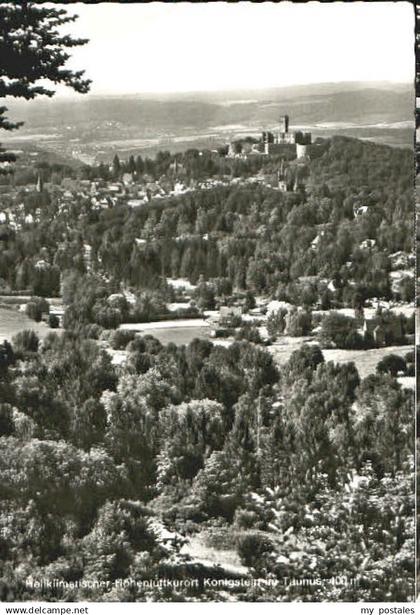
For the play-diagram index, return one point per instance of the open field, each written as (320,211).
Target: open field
(184,331)
(178,335)
(365,360)
(12,321)
(175,331)
(198,548)
(165,324)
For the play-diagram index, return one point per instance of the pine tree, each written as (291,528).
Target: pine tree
(139,164)
(131,165)
(116,165)
(32,53)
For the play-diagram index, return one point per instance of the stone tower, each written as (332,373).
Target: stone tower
(284,124)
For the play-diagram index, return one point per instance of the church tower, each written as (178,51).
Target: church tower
(281,178)
(39,183)
(297,184)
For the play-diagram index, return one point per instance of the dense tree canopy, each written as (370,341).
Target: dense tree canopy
(303,463)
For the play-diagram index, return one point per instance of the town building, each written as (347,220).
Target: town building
(383,331)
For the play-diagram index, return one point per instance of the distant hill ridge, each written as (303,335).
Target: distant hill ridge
(95,128)
(346,102)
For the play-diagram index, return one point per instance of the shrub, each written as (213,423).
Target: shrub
(6,420)
(391,364)
(7,356)
(410,356)
(249,302)
(252,548)
(246,519)
(233,321)
(411,363)
(276,323)
(308,356)
(409,324)
(33,311)
(53,321)
(407,289)
(107,317)
(340,331)
(36,308)
(25,341)
(298,323)
(249,333)
(92,331)
(120,339)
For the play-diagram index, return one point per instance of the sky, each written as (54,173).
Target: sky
(181,47)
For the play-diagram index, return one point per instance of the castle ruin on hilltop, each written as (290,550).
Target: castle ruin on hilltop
(279,142)
(274,143)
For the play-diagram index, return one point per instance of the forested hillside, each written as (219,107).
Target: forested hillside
(109,473)
(260,239)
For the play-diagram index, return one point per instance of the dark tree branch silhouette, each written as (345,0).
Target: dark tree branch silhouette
(33,55)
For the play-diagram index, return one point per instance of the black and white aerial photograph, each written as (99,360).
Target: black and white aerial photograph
(207,303)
